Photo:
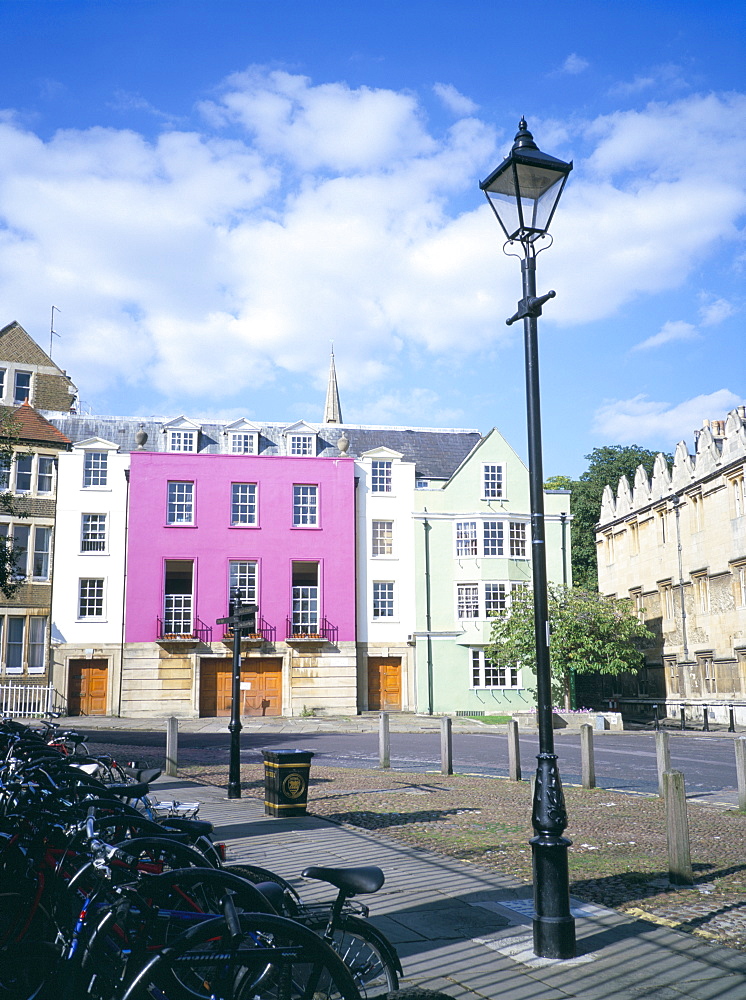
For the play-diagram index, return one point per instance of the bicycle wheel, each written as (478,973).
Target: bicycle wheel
(202,890)
(254,873)
(272,959)
(368,955)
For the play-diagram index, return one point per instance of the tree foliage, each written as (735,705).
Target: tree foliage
(606,467)
(589,633)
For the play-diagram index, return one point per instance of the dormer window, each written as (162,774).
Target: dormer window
(242,443)
(182,440)
(241,438)
(182,435)
(300,439)
(302,444)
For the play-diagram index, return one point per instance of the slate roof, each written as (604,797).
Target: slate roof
(435,452)
(33,427)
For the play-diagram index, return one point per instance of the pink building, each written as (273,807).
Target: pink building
(279,530)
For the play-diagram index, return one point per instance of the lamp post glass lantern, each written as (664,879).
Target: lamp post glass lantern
(523,192)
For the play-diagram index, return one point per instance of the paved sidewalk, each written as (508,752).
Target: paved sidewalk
(467,932)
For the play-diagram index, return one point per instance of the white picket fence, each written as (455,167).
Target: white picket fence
(23,701)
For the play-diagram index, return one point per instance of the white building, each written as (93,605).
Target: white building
(89,573)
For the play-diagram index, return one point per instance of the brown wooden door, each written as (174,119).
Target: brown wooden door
(263,697)
(88,682)
(384,683)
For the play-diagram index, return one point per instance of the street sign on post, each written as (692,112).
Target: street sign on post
(242,618)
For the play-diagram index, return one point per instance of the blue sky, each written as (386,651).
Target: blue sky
(211,193)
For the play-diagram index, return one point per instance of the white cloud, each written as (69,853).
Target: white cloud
(453,99)
(575,64)
(329,126)
(640,419)
(714,311)
(671,331)
(297,213)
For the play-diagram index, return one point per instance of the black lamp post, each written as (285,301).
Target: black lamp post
(523,193)
(241,617)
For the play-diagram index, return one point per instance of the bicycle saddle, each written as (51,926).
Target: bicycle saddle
(350,880)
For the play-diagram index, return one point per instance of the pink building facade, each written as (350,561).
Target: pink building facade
(280,531)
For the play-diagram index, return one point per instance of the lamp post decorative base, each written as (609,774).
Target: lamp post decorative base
(554,925)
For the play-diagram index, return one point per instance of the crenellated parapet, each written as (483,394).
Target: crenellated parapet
(718,444)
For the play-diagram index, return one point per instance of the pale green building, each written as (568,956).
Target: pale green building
(472,550)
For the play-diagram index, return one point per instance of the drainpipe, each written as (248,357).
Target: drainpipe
(124,588)
(358,651)
(428,619)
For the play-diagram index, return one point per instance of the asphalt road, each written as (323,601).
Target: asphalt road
(622,761)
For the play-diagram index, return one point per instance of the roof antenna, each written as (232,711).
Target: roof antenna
(52,331)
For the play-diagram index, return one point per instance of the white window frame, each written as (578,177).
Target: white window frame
(242,576)
(493,481)
(46,462)
(27,473)
(244,505)
(93,535)
(305,505)
(182,440)
(496,598)
(466,540)
(518,539)
(93,597)
(382,539)
(302,445)
(493,676)
(17,645)
(180,502)
(37,644)
(381,470)
(95,469)
(44,553)
(243,442)
(493,537)
(18,400)
(467,601)
(383,595)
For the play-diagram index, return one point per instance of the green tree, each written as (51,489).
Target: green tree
(589,634)
(10,581)
(606,467)
(558,483)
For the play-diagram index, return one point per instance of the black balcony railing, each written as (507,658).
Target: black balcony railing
(264,631)
(323,631)
(170,631)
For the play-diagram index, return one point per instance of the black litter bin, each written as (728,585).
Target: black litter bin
(286,782)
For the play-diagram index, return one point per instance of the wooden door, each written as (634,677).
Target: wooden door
(384,683)
(88,683)
(262,697)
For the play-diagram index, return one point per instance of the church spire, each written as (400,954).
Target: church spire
(332,409)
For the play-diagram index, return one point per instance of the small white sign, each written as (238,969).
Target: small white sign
(245,685)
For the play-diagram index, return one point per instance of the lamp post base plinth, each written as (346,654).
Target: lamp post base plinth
(554,925)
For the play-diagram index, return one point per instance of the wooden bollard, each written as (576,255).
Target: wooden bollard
(384,743)
(677,829)
(446,745)
(587,762)
(663,757)
(740,745)
(172,746)
(514,751)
